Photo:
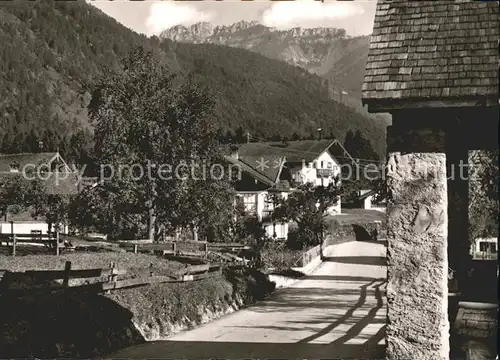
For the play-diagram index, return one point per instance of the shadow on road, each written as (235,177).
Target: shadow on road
(246,350)
(339,308)
(359,260)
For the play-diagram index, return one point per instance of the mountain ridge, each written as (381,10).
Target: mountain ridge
(244,34)
(54,50)
(330,52)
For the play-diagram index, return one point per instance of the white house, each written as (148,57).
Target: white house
(255,186)
(310,161)
(25,162)
(277,168)
(21,226)
(485,248)
(58,178)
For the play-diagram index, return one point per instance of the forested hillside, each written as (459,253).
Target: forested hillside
(51,53)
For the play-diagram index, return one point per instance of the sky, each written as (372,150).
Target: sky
(152,17)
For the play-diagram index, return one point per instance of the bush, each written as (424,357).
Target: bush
(277,255)
(301,239)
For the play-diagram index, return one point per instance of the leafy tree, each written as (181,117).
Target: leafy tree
(295,137)
(307,207)
(76,44)
(248,229)
(240,136)
(207,209)
(151,129)
(483,195)
(14,195)
(358,146)
(51,208)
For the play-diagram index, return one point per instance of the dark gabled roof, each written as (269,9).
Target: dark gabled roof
(433,50)
(249,170)
(367,194)
(264,161)
(62,183)
(268,165)
(293,151)
(24,159)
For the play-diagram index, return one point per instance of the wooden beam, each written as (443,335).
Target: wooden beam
(75,274)
(389,105)
(194,269)
(195,277)
(136,282)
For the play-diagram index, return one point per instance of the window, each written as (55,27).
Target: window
(330,165)
(268,207)
(322,165)
(483,246)
(314,164)
(493,248)
(14,167)
(250,203)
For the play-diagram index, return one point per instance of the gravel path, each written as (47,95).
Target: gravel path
(338,312)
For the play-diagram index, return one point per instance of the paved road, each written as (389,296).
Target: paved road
(338,312)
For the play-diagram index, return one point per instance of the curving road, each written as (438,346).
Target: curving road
(338,312)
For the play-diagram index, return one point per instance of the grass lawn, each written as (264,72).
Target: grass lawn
(358,216)
(135,264)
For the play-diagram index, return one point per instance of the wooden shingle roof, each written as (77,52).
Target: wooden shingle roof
(32,159)
(433,50)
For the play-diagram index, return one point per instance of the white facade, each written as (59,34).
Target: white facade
(367,202)
(257,203)
(485,248)
(25,227)
(278,229)
(307,172)
(320,172)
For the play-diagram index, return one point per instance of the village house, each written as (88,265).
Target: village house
(277,169)
(485,249)
(15,163)
(57,176)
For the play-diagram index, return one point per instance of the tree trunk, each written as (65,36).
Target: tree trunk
(195,232)
(151,223)
(152,212)
(49,232)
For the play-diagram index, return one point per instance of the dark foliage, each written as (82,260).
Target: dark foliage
(52,52)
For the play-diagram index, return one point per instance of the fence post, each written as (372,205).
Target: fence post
(205,248)
(57,242)
(11,231)
(14,243)
(67,271)
(135,248)
(174,247)
(113,276)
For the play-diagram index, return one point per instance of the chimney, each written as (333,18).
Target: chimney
(234,151)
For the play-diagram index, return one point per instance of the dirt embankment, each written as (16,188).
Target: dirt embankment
(74,324)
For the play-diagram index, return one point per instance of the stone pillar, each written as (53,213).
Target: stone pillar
(417,289)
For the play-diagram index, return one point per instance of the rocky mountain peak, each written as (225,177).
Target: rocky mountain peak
(328,52)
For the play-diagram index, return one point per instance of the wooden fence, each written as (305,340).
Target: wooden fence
(51,240)
(58,241)
(61,278)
